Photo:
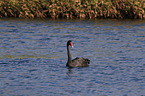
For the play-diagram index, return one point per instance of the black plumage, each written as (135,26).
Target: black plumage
(77,62)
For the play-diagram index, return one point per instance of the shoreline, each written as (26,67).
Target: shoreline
(73,9)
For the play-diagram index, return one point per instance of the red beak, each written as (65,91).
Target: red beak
(71,44)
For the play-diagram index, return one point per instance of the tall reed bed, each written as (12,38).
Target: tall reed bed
(70,9)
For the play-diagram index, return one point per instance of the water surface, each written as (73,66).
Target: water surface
(33,57)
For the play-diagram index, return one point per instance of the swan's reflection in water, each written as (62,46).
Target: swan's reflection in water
(69,72)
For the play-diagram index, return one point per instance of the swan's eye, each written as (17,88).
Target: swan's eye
(71,44)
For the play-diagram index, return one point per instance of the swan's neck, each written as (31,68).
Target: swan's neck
(69,55)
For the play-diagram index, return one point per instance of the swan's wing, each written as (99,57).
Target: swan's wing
(77,58)
(80,62)
(85,60)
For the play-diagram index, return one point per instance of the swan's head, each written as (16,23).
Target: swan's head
(69,42)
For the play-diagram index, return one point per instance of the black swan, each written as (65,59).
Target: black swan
(77,62)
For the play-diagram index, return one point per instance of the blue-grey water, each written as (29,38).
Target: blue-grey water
(33,57)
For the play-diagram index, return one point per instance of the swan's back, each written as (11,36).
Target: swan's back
(79,62)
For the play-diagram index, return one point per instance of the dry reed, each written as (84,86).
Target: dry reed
(70,9)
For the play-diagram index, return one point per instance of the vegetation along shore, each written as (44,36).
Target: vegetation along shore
(71,9)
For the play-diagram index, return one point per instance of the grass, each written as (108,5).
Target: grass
(71,9)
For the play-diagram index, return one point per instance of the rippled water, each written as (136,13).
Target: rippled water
(33,57)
